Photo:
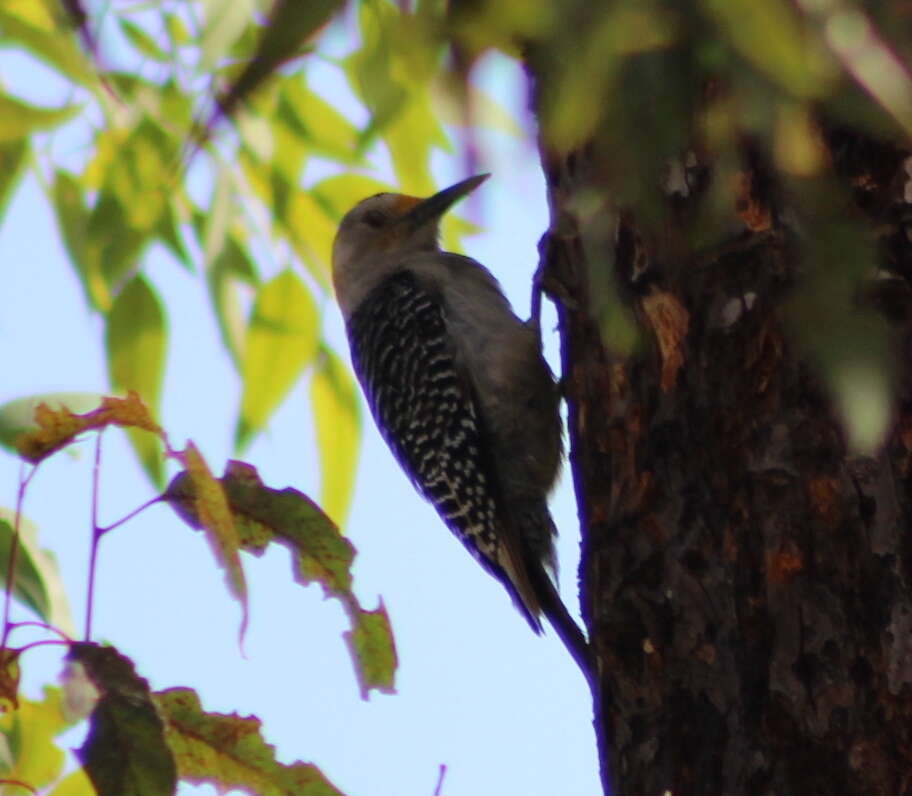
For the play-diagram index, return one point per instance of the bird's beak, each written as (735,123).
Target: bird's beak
(432,208)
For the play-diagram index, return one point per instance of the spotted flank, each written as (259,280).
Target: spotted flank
(425,411)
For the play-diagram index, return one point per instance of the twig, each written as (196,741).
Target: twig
(97,533)
(43,626)
(47,642)
(14,555)
(439,789)
(131,515)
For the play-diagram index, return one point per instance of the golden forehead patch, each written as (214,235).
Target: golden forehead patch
(404,203)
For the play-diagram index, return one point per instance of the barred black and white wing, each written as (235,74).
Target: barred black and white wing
(427,413)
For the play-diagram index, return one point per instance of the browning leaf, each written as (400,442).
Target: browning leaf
(201,501)
(263,515)
(57,428)
(371,641)
(9,679)
(229,752)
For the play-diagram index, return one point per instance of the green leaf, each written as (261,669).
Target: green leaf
(125,751)
(28,735)
(135,339)
(169,233)
(177,30)
(401,107)
(310,230)
(775,37)
(281,342)
(231,267)
(318,123)
(142,41)
(290,25)
(225,21)
(200,500)
(73,219)
(337,195)
(33,24)
(486,112)
(370,643)
(37,584)
(228,751)
(112,240)
(227,262)
(337,416)
(263,516)
(212,225)
(19,119)
(136,173)
(14,155)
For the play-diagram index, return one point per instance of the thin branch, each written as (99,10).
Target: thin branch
(47,642)
(131,515)
(14,554)
(97,533)
(43,626)
(439,789)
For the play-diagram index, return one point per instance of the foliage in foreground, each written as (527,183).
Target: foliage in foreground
(140,742)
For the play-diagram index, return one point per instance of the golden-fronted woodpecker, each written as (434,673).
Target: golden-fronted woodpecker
(459,389)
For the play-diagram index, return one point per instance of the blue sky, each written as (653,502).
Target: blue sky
(505,711)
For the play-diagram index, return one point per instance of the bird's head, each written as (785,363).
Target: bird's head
(390,224)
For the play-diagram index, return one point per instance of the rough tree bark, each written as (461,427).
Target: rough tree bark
(745,579)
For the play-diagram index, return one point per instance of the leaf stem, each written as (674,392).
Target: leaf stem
(131,515)
(97,533)
(14,554)
(43,626)
(45,642)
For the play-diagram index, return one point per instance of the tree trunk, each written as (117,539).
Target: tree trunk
(745,579)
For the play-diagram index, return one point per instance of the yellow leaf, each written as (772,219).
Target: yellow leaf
(73,219)
(18,119)
(225,21)
(281,341)
(30,733)
(337,416)
(75,784)
(136,339)
(214,517)
(341,193)
(311,232)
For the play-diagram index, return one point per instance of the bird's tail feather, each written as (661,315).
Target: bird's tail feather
(537,531)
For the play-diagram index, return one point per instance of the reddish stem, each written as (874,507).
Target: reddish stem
(43,626)
(13,557)
(96,537)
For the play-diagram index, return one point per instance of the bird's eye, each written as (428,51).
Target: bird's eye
(374,218)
